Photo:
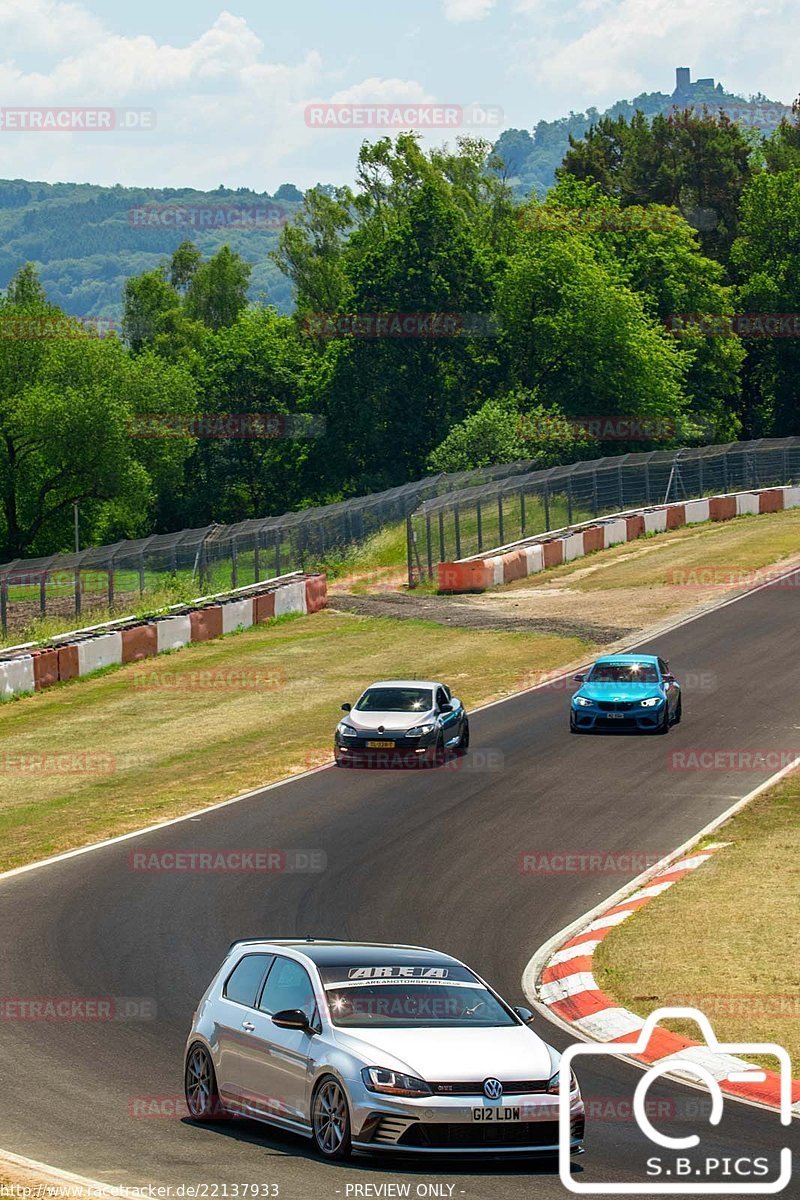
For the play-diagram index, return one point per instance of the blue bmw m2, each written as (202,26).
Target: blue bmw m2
(626,691)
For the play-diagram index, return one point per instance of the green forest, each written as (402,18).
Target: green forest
(437,323)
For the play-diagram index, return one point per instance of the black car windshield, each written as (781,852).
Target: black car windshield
(396,699)
(397,1003)
(605,672)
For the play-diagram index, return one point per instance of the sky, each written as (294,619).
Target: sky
(224,93)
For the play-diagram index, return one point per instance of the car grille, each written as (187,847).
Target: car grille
(475,1135)
(517,1087)
(616,705)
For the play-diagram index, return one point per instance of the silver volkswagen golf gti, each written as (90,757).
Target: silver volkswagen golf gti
(373,1047)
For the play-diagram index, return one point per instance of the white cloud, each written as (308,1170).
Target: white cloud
(467,10)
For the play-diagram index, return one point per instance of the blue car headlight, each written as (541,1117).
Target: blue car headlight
(652,701)
(581,701)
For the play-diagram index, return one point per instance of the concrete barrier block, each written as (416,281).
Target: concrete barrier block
(655,520)
(593,539)
(16,675)
(98,652)
(614,532)
(237,614)
(290,598)
(635,527)
(173,632)
(553,552)
(676,516)
(68,664)
(495,569)
(791,497)
(45,668)
(316,593)
(771,500)
(535,558)
(722,508)
(263,607)
(515,566)
(747,502)
(206,623)
(696,511)
(140,641)
(573,546)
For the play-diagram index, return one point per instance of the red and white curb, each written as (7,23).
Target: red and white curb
(567,989)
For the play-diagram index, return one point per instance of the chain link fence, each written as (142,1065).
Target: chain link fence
(462,523)
(214,559)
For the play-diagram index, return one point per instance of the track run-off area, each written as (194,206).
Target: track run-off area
(430,857)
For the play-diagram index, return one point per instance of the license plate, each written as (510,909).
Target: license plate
(505,1112)
(380,745)
(616,716)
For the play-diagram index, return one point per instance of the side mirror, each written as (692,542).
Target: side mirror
(524,1014)
(291,1018)
(445,708)
(580,678)
(346,707)
(669,678)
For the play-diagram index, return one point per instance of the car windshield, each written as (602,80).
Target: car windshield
(607,672)
(403,1003)
(396,699)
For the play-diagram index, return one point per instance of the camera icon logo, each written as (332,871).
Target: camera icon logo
(686,1181)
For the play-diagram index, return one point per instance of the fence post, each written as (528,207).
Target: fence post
(522,511)
(647,483)
(257,559)
(457,517)
(4,605)
(699,476)
(620,501)
(441,536)
(569,499)
(43,594)
(500,526)
(77,591)
(594,491)
(547,506)
(141,573)
(234,564)
(479,515)
(428,542)
(409,550)
(277,552)
(110,586)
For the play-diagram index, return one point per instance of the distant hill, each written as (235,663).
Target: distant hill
(531,158)
(87,240)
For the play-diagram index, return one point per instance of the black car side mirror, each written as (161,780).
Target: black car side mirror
(291,1018)
(579,678)
(445,708)
(524,1014)
(346,707)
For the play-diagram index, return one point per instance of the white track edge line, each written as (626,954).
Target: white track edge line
(31,1164)
(541,957)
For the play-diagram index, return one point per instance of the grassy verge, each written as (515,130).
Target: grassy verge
(100,756)
(725,939)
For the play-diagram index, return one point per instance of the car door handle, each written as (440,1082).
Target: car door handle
(249,1026)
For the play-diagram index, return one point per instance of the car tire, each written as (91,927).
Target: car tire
(463,742)
(664,724)
(676,720)
(330,1120)
(573,728)
(200,1085)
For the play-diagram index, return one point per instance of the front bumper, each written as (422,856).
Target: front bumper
(399,750)
(446,1124)
(632,717)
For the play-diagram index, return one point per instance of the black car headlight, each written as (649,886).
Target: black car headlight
(346,730)
(421,730)
(393,1083)
(554,1083)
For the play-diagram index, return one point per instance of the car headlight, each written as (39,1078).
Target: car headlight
(346,730)
(554,1083)
(393,1083)
(420,730)
(582,701)
(650,702)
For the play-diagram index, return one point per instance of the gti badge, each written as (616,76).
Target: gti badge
(492,1088)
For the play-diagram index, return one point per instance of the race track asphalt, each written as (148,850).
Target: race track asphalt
(426,857)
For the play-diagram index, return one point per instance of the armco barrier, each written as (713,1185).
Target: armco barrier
(31,668)
(316,593)
(16,675)
(549,550)
(68,663)
(722,508)
(206,623)
(45,668)
(140,641)
(237,614)
(98,652)
(173,632)
(290,599)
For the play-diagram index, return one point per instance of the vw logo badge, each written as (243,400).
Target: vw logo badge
(493,1088)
